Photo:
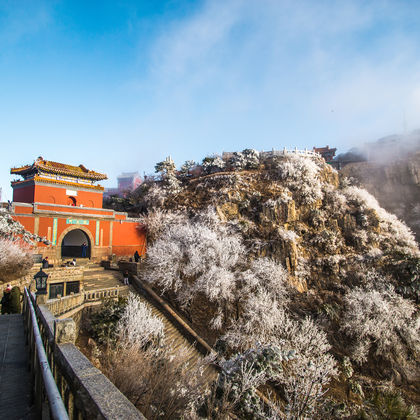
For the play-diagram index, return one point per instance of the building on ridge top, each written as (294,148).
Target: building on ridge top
(327,153)
(64,204)
(127,182)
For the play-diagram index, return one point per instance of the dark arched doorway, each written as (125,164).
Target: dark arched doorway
(71,245)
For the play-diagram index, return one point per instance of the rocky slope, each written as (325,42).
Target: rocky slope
(290,254)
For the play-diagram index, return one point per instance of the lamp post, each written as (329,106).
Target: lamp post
(41,285)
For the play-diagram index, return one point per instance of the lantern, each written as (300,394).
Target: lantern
(41,282)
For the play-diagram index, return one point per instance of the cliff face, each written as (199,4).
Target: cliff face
(276,253)
(396,186)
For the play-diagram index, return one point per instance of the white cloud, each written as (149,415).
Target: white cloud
(313,70)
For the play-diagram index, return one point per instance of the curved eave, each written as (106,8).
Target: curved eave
(92,175)
(84,175)
(23,170)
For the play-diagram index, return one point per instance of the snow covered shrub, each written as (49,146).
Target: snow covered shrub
(301,175)
(235,391)
(237,161)
(198,256)
(15,259)
(15,241)
(104,321)
(306,377)
(382,321)
(287,235)
(334,201)
(265,320)
(327,241)
(163,383)
(157,220)
(213,164)
(12,230)
(154,195)
(137,325)
(252,158)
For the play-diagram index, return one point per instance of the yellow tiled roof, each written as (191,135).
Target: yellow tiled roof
(58,168)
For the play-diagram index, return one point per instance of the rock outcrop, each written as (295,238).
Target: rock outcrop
(395,184)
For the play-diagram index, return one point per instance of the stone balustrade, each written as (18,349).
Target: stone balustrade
(105,293)
(75,302)
(86,392)
(64,304)
(295,151)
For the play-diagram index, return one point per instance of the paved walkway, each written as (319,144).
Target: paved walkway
(15,381)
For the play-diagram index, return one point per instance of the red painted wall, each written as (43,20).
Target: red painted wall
(50,194)
(24,194)
(127,237)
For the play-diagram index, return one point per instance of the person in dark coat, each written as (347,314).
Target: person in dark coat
(84,250)
(136,256)
(5,300)
(45,263)
(125,275)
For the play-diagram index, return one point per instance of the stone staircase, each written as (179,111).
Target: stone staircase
(176,340)
(96,277)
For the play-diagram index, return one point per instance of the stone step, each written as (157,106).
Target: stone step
(176,340)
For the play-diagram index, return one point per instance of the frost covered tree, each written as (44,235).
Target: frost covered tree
(138,326)
(381,321)
(212,164)
(167,170)
(156,221)
(197,256)
(235,390)
(398,237)
(185,171)
(237,161)
(15,242)
(252,158)
(301,175)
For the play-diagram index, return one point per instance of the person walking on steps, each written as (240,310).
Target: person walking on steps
(136,256)
(125,278)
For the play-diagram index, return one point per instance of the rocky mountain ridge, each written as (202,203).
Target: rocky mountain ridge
(285,252)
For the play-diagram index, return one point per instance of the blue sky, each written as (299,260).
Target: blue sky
(119,85)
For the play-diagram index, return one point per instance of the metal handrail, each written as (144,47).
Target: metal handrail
(57,408)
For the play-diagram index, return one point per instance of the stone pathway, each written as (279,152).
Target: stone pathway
(96,277)
(176,340)
(15,380)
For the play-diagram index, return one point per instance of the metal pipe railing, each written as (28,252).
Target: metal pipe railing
(39,361)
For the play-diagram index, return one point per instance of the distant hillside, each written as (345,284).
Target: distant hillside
(391,173)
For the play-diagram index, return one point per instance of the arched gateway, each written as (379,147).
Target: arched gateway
(71,245)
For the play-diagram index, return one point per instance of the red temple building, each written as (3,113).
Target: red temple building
(327,153)
(64,204)
(127,182)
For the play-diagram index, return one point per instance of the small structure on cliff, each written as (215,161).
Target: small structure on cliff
(64,204)
(327,153)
